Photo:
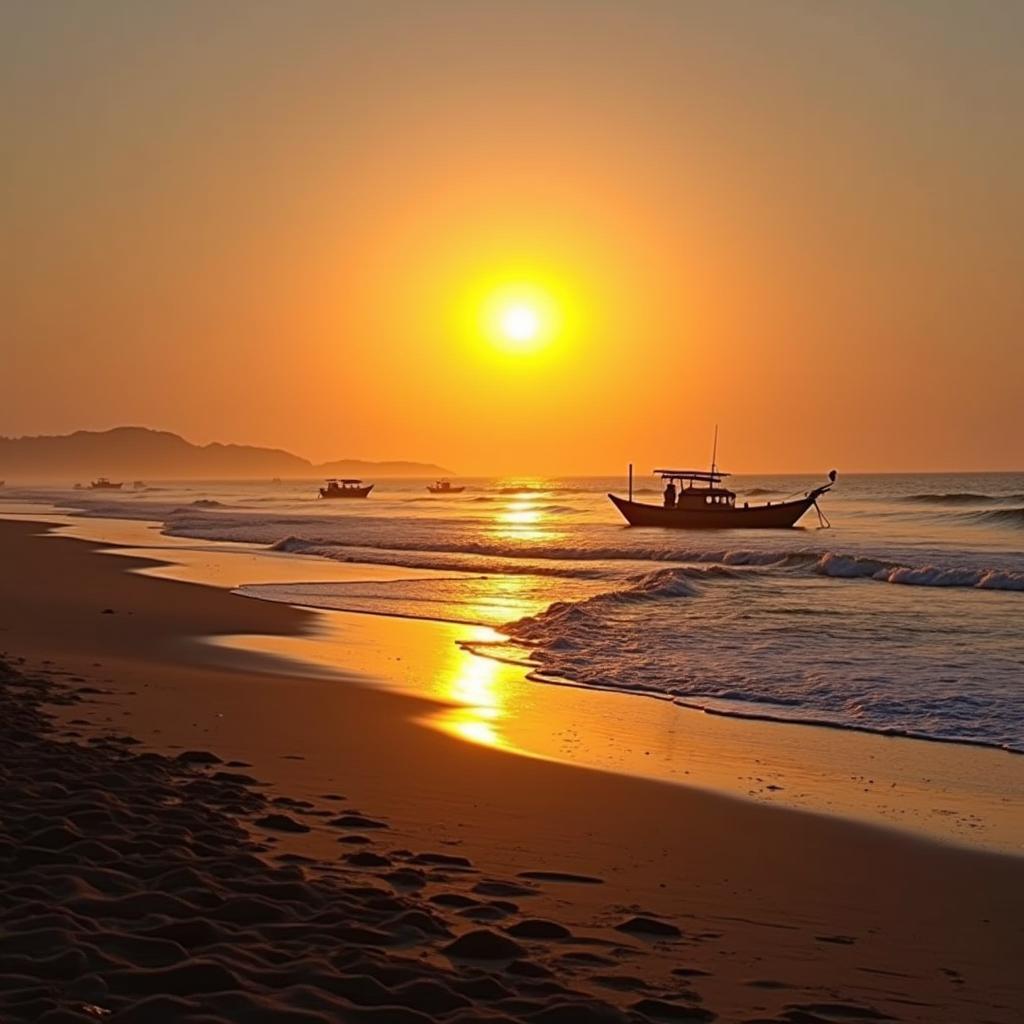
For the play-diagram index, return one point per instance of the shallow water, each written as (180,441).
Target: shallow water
(903,617)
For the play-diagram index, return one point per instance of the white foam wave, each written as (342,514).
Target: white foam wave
(842,566)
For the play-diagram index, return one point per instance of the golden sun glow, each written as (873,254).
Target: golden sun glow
(520,323)
(519,319)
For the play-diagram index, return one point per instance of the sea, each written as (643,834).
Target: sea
(905,615)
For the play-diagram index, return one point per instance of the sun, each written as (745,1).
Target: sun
(508,319)
(518,319)
(519,323)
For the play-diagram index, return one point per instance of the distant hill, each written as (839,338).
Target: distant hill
(140,453)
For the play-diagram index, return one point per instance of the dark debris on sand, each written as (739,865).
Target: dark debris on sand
(132,891)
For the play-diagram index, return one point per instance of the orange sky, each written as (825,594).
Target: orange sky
(277,223)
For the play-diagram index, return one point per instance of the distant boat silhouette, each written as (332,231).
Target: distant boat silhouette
(711,506)
(444,487)
(345,489)
(103,484)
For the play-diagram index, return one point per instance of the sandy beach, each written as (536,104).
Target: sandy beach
(512,513)
(198,834)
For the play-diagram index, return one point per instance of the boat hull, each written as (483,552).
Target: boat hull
(760,517)
(446,490)
(350,492)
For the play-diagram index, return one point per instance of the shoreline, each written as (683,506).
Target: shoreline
(812,904)
(906,783)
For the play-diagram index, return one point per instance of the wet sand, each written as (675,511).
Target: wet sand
(747,912)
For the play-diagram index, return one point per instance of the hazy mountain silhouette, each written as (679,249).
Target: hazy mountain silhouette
(140,453)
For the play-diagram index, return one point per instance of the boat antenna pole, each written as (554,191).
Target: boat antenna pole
(714,454)
(631,481)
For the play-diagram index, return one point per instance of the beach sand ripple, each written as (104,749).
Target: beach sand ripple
(136,887)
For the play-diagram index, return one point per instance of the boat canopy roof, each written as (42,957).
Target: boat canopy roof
(696,475)
(341,480)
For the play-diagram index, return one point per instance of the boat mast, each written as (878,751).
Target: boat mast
(714,455)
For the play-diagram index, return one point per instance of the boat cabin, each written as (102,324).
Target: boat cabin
(692,489)
(334,485)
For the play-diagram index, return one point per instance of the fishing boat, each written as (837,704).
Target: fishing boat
(103,484)
(345,489)
(444,487)
(696,500)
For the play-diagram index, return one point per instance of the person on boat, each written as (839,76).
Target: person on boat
(670,495)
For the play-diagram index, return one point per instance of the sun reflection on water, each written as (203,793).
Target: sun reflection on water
(524,518)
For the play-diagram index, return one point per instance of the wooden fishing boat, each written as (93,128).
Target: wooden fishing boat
(345,489)
(444,487)
(696,500)
(103,484)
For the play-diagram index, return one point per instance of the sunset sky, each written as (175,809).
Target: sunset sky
(521,236)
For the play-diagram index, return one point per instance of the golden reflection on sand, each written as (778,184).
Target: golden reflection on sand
(474,685)
(470,696)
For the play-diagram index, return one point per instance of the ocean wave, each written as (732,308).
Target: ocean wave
(840,566)
(962,498)
(367,533)
(686,581)
(443,561)
(374,540)
(1000,516)
(677,635)
(206,503)
(556,626)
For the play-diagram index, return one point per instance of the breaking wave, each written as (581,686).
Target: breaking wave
(654,586)
(775,650)
(444,560)
(859,567)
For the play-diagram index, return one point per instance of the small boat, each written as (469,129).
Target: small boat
(696,500)
(345,489)
(103,484)
(444,487)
